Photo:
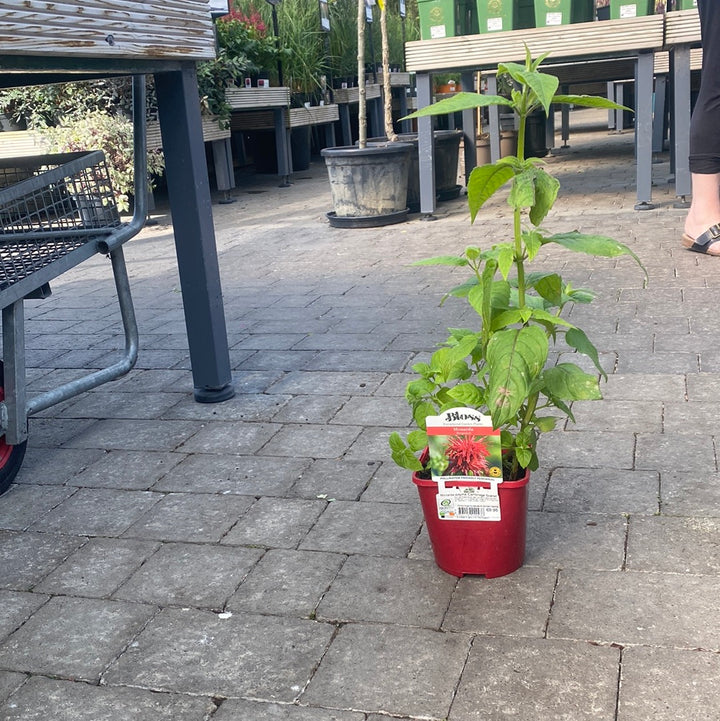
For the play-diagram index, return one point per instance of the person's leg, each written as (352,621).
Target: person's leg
(704,210)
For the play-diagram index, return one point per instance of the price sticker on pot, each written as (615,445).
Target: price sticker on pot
(469,504)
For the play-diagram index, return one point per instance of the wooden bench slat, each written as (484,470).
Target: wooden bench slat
(682,27)
(582,40)
(79,28)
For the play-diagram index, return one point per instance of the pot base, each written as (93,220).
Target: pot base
(366,221)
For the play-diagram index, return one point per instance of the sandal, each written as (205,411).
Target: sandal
(705,241)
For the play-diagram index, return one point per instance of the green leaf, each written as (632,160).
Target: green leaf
(483,182)
(396,443)
(577,339)
(589,101)
(550,287)
(418,389)
(533,242)
(452,260)
(515,357)
(568,382)
(597,245)
(522,194)
(545,424)
(421,412)
(508,317)
(459,101)
(546,190)
(422,369)
(468,394)
(542,316)
(406,459)
(462,290)
(417,440)
(505,259)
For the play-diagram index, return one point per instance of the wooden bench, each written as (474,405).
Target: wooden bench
(587,50)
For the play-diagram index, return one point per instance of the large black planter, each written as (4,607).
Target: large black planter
(446,151)
(369,185)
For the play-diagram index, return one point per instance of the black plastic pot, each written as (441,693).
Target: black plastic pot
(535,143)
(447,149)
(369,185)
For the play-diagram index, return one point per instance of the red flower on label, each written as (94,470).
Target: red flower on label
(467,456)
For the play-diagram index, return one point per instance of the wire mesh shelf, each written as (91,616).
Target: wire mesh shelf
(51,206)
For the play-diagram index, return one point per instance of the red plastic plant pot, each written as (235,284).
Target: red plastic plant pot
(487,548)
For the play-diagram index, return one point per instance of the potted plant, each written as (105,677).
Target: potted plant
(496,374)
(369,182)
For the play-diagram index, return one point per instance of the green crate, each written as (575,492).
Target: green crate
(497,15)
(685,4)
(563,12)
(526,14)
(438,19)
(631,8)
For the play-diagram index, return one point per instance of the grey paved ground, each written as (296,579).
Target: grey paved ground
(262,560)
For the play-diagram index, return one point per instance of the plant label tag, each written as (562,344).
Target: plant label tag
(553,19)
(469,504)
(464,446)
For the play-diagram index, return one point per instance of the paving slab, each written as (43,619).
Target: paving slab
(16,607)
(599,490)
(97,568)
(55,466)
(246,475)
(662,684)
(26,558)
(140,435)
(23,505)
(658,609)
(286,582)
(97,512)
(127,470)
(10,682)
(190,517)
(275,522)
(537,679)
(44,698)
(190,651)
(232,437)
(334,479)
(395,670)
(481,606)
(382,529)
(74,637)
(236,710)
(185,574)
(688,493)
(674,545)
(569,540)
(388,590)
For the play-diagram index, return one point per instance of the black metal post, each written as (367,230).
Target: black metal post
(191,208)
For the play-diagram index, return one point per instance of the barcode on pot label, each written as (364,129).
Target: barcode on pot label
(481,504)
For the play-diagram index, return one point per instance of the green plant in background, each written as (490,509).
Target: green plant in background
(214,77)
(40,106)
(114,135)
(501,367)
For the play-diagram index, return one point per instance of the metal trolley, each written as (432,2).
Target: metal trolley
(55,212)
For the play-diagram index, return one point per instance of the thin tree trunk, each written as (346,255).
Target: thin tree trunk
(362,109)
(387,90)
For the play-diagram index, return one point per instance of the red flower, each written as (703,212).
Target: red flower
(467,456)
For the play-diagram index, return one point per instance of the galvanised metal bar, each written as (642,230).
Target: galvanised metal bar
(469,126)
(13,410)
(643,129)
(120,368)
(426,156)
(191,208)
